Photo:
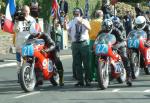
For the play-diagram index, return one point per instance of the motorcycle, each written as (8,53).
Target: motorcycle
(109,61)
(139,53)
(34,60)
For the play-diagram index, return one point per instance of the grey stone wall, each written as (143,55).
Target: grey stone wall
(6,41)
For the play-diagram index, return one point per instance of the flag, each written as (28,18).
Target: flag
(86,15)
(55,8)
(10,11)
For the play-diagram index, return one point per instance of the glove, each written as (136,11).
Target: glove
(44,51)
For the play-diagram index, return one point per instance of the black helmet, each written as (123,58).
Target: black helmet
(107,25)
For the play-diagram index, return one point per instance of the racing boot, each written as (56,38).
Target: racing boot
(129,79)
(61,78)
(54,83)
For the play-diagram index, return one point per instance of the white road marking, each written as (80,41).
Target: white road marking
(8,65)
(21,96)
(103,91)
(147,91)
(115,90)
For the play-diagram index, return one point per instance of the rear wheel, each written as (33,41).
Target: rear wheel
(122,77)
(102,74)
(27,81)
(135,65)
(147,70)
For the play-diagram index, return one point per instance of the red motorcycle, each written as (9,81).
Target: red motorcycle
(34,60)
(139,52)
(109,61)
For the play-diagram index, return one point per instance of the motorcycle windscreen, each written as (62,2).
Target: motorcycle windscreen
(27,50)
(134,37)
(105,38)
(101,49)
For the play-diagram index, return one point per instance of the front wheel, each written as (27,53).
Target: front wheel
(102,74)
(27,80)
(135,65)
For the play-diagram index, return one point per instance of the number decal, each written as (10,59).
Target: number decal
(101,48)
(148,54)
(133,43)
(27,50)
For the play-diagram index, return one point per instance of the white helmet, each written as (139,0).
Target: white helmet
(140,22)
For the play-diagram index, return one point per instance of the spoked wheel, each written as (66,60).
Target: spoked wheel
(103,75)
(147,70)
(27,79)
(122,77)
(135,65)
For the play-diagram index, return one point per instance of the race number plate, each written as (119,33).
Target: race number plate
(148,54)
(133,43)
(27,50)
(118,67)
(101,49)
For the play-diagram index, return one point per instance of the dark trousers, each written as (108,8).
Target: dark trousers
(80,52)
(126,61)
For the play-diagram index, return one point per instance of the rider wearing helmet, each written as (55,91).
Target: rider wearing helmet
(108,27)
(140,24)
(117,24)
(51,48)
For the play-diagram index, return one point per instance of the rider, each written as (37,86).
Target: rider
(51,48)
(107,27)
(117,24)
(140,24)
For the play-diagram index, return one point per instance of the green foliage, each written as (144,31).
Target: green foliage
(72,5)
(123,7)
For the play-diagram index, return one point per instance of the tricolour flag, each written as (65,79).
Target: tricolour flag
(10,11)
(55,8)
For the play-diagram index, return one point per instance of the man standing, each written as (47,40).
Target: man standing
(63,6)
(95,28)
(127,21)
(138,10)
(78,30)
(22,29)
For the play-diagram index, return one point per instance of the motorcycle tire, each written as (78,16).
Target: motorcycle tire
(27,83)
(135,65)
(122,77)
(102,75)
(147,70)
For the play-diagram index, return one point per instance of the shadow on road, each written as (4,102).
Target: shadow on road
(9,87)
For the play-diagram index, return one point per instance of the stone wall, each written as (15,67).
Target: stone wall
(6,41)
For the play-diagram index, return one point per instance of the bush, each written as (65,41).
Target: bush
(123,7)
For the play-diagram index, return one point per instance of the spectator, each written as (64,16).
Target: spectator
(63,6)
(78,31)
(138,10)
(127,22)
(35,9)
(147,17)
(22,29)
(106,10)
(95,28)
